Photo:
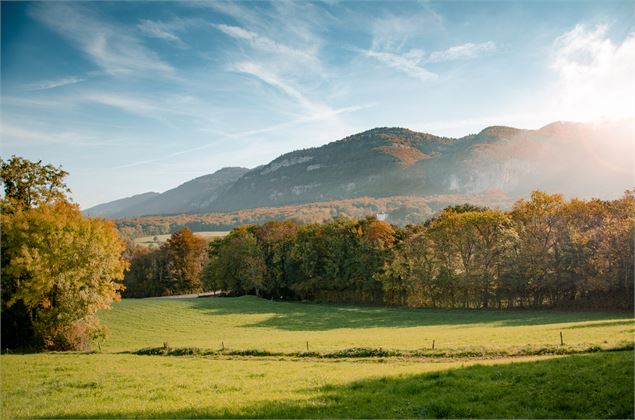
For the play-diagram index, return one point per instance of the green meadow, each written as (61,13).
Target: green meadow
(497,381)
(251,323)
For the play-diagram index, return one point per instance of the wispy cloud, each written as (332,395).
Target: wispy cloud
(276,81)
(296,22)
(112,47)
(462,52)
(54,83)
(396,32)
(320,116)
(398,41)
(325,115)
(263,43)
(17,134)
(595,74)
(412,62)
(162,30)
(125,102)
(407,63)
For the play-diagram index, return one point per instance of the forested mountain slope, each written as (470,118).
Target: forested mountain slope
(575,159)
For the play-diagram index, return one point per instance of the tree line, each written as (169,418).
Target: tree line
(545,252)
(400,210)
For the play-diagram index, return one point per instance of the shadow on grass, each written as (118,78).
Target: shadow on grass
(583,386)
(296,316)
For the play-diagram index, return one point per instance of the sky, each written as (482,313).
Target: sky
(131,97)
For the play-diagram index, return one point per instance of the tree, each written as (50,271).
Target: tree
(410,276)
(236,264)
(275,239)
(456,239)
(538,222)
(146,276)
(185,257)
(28,184)
(58,267)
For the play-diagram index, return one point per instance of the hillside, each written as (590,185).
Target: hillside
(116,208)
(193,196)
(571,158)
(376,163)
(400,210)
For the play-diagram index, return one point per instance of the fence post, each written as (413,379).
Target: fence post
(561,340)
(432,344)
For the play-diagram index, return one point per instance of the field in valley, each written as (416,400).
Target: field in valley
(485,364)
(160,239)
(251,323)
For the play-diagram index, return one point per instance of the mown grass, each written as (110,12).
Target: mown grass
(362,362)
(248,323)
(598,385)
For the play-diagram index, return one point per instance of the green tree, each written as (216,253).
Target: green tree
(147,275)
(236,264)
(275,239)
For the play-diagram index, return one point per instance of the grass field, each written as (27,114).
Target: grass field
(149,240)
(252,323)
(115,384)
(598,385)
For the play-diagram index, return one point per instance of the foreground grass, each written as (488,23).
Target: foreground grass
(598,385)
(402,379)
(251,323)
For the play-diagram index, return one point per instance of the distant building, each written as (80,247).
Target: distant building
(382,216)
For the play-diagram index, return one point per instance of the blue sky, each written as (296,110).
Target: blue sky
(133,97)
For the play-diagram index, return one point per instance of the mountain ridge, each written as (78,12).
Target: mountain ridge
(393,161)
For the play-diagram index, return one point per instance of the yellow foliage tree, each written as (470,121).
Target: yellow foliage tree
(58,269)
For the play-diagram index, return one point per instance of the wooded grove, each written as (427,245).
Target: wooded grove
(545,252)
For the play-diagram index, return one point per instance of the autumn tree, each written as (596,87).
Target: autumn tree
(58,267)
(29,184)
(546,252)
(185,256)
(538,221)
(410,277)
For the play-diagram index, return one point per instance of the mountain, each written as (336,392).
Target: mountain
(575,159)
(193,196)
(375,163)
(571,158)
(114,209)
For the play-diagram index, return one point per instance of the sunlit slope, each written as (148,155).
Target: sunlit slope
(252,323)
